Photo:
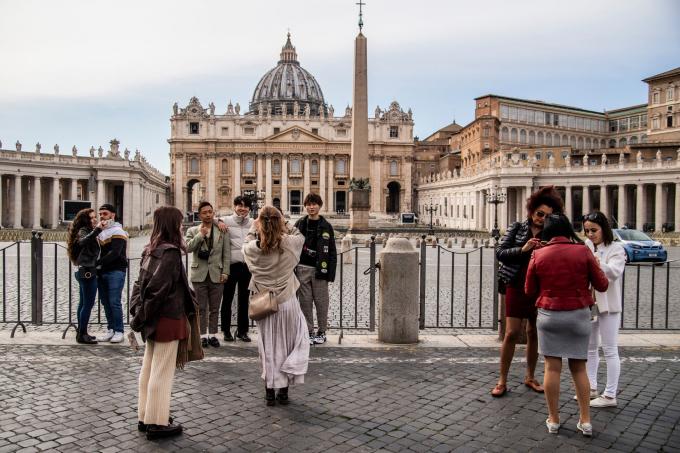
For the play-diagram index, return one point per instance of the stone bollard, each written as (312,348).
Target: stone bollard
(462,243)
(398,308)
(455,241)
(475,244)
(345,245)
(449,243)
(367,243)
(417,242)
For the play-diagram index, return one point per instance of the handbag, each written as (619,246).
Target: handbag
(86,273)
(195,349)
(261,305)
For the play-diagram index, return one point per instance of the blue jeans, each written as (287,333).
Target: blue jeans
(110,290)
(88,296)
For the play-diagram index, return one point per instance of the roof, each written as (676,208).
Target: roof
(453,127)
(626,109)
(663,75)
(541,103)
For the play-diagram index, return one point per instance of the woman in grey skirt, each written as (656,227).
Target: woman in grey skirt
(561,273)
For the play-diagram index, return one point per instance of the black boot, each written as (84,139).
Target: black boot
(84,338)
(282,396)
(270,397)
(87,336)
(142,427)
(159,431)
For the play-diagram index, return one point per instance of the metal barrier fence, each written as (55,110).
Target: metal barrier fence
(655,289)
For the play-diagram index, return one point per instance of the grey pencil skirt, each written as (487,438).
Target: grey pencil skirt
(564,333)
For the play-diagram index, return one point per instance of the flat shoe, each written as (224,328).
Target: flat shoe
(553,428)
(534,385)
(585,428)
(499,390)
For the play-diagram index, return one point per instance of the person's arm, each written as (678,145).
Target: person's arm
(531,283)
(595,274)
(86,238)
(506,251)
(616,263)
(194,239)
(332,256)
(159,286)
(226,257)
(117,249)
(219,223)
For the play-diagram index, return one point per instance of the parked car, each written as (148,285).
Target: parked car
(639,246)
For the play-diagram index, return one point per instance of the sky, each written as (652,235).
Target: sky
(81,72)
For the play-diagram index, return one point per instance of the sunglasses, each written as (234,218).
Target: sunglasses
(591,217)
(540,214)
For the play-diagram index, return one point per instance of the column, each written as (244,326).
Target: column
(519,203)
(37,192)
(331,184)
(138,205)
(127,204)
(211,191)
(260,173)
(54,217)
(179,186)
(376,184)
(101,194)
(407,175)
(659,207)
(568,210)
(586,200)
(307,178)
(284,184)
(677,207)
(604,201)
(17,202)
(621,201)
(322,182)
(503,212)
(640,207)
(2,192)
(74,189)
(268,180)
(237,174)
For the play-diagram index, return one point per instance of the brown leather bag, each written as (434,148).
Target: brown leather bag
(261,305)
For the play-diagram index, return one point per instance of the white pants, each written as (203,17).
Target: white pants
(155,381)
(605,328)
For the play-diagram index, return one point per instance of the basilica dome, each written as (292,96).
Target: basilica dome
(286,84)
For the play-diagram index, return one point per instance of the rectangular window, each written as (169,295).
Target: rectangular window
(277,130)
(315,183)
(613,126)
(505,113)
(249,131)
(277,182)
(248,181)
(623,124)
(580,123)
(341,132)
(315,131)
(513,113)
(225,131)
(548,118)
(522,115)
(634,122)
(655,98)
(193,128)
(341,182)
(523,156)
(394,131)
(572,122)
(564,120)
(669,94)
(643,121)
(669,121)
(556,121)
(564,154)
(250,166)
(539,155)
(655,123)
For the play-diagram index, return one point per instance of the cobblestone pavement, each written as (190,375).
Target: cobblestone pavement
(441,309)
(78,398)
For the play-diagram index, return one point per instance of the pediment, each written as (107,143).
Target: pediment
(295,134)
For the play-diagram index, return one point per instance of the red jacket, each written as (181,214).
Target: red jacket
(561,274)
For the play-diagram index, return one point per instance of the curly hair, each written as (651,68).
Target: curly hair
(548,196)
(270,227)
(81,220)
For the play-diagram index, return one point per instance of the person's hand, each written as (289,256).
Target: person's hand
(222,226)
(204,230)
(531,244)
(101,224)
(223,278)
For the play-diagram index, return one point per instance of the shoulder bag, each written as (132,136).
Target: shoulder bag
(261,305)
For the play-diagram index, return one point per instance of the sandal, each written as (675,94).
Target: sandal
(499,390)
(534,385)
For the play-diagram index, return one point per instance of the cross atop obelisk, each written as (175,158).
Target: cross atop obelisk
(360,190)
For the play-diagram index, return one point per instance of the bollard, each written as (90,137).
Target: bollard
(475,243)
(399,310)
(36,278)
(462,243)
(345,245)
(449,243)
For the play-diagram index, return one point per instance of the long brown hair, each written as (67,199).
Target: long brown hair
(167,227)
(81,220)
(271,228)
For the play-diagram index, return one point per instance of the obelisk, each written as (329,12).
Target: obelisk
(359,196)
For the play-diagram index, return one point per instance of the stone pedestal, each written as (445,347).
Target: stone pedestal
(398,308)
(359,206)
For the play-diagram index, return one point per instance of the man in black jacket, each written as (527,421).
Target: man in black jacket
(317,266)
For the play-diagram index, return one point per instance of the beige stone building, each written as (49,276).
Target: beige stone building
(624,162)
(288,143)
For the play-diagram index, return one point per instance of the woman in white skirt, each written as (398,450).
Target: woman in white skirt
(606,321)
(272,251)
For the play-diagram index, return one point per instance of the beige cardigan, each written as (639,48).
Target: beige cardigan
(274,271)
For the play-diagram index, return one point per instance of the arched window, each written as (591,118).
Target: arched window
(394,169)
(612,143)
(505,135)
(580,143)
(589,144)
(633,140)
(250,165)
(643,138)
(572,141)
(193,165)
(565,140)
(603,143)
(225,166)
(532,138)
(556,140)
(513,135)
(539,139)
(315,167)
(548,139)
(522,136)
(623,142)
(276,167)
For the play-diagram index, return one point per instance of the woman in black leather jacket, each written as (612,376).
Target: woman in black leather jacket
(513,252)
(83,249)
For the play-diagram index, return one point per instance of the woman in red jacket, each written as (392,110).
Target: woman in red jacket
(561,274)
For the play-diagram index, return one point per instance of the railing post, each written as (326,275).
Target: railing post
(371,279)
(423,265)
(495,291)
(36,277)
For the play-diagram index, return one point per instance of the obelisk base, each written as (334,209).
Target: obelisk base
(359,207)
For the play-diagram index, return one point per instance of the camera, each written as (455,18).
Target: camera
(204,254)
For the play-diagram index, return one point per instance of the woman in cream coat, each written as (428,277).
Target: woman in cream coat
(272,251)
(607,319)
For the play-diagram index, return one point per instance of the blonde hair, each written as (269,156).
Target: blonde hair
(271,227)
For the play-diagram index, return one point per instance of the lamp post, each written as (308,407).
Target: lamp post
(431,209)
(496,197)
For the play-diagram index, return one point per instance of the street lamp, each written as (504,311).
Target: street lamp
(495,197)
(431,209)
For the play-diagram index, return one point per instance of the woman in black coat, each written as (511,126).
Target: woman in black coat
(514,251)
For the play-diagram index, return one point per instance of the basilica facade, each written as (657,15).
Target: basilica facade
(287,143)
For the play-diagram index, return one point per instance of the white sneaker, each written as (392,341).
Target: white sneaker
(107,336)
(311,339)
(117,337)
(593,395)
(603,401)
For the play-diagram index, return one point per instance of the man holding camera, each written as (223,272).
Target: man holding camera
(209,270)
(317,266)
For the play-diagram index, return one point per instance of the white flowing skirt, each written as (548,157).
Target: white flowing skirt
(283,343)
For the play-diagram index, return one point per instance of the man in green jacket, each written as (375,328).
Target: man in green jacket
(209,270)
